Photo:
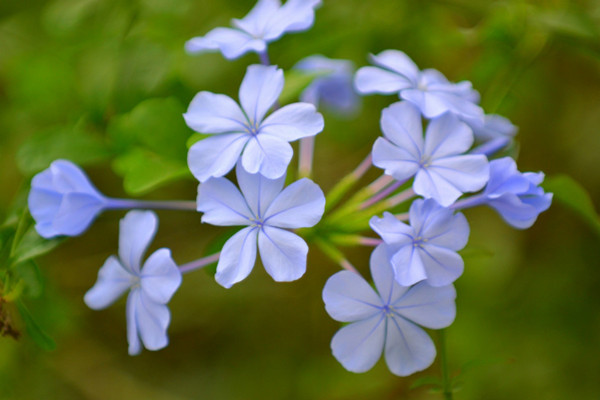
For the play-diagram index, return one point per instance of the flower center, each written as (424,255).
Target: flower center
(388,310)
(419,241)
(253,128)
(257,223)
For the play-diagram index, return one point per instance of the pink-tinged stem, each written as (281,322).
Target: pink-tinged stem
(380,183)
(367,241)
(126,204)
(363,167)
(347,266)
(307,147)
(381,195)
(199,263)
(400,198)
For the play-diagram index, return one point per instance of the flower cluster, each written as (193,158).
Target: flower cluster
(437,151)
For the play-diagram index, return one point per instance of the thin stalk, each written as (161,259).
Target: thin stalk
(446,384)
(199,263)
(264,57)
(381,195)
(346,183)
(335,255)
(126,204)
(353,240)
(307,147)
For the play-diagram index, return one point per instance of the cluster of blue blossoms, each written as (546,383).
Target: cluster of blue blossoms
(442,168)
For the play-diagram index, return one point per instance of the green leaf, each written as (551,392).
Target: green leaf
(30,274)
(143,171)
(32,245)
(34,330)
(65,142)
(295,82)
(571,194)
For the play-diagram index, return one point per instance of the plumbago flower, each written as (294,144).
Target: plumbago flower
(151,286)
(493,127)
(386,320)
(262,142)
(427,248)
(428,90)
(442,170)
(266,22)
(267,211)
(516,196)
(333,89)
(63,201)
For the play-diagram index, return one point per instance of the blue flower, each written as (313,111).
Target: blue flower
(333,89)
(151,286)
(386,320)
(493,127)
(267,211)
(442,170)
(262,142)
(516,196)
(63,201)
(428,90)
(266,22)
(427,248)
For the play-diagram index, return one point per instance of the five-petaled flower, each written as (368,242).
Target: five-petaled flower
(443,171)
(267,211)
(63,201)
(516,196)
(266,22)
(428,90)
(427,248)
(151,286)
(386,320)
(263,141)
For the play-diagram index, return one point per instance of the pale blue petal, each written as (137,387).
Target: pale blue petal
(458,105)
(76,213)
(376,80)
(392,230)
(431,185)
(394,160)
(260,89)
(494,126)
(293,122)
(113,281)
(232,43)
(215,156)
(348,297)
(152,321)
(428,306)
(430,105)
(258,191)
(133,337)
(438,225)
(293,16)
(136,231)
(214,113)
(442,266)
(160,276)
(256,20)
(283,254)
(447,136)
(222,203)
(408,348)
(359,345)
(268,155)
(237,257)
(383,275)
(43,205)
(399,62)
(505,178)
(300,205)
(516,213)
(408,266)
(401,124)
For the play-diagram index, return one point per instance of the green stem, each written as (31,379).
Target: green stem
(446,384)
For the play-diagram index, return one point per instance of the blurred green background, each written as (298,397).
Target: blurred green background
(104,82)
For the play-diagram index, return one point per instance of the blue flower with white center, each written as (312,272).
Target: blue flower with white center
(267,210)
(442,170)
(263,143)
(63,201)
(386,321)
(425,250)
(516,196)
(266,22)
(428,90)
(333,89)
(150,287)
